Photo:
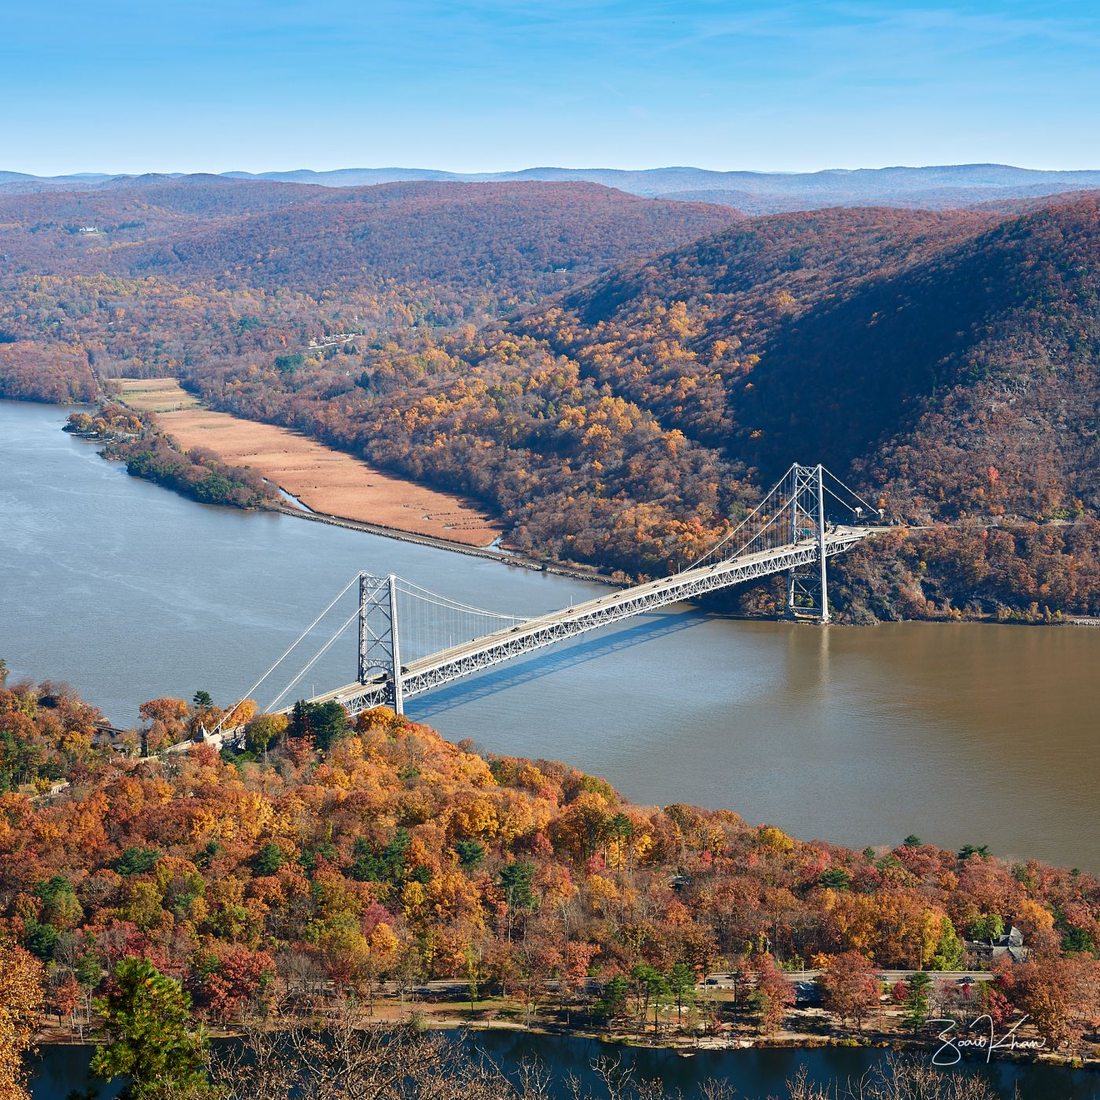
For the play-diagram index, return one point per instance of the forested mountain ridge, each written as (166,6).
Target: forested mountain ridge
(864,340)
(673,333)
(518,241)
(942,360)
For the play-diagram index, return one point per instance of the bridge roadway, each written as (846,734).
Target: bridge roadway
(467,658)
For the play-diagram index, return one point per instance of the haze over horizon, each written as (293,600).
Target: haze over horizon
(751,193)
(277,170)
(485,85)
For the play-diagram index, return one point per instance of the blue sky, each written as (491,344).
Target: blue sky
(135,85)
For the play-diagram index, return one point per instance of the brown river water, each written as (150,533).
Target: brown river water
(960,733)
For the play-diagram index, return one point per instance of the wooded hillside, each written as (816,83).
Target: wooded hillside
(943,362)
(352,852)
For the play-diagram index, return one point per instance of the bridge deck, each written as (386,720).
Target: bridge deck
(469,657)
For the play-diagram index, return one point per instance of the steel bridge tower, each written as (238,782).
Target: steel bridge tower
(379,642)
(808,586)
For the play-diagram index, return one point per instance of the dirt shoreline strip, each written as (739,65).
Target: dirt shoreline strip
(324,480)
(507,557)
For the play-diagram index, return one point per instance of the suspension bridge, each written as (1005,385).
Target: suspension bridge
(413,640)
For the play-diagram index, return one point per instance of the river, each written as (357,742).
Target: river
(960,733)
(753,1074)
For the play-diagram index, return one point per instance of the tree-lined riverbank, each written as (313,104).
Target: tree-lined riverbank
(329,860)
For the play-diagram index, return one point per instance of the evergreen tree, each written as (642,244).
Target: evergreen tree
(917,999)
(681,985)
(147,1017)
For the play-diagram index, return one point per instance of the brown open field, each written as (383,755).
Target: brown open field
(324,480)
(155,395)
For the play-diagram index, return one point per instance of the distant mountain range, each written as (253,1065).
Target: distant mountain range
(610,372)
(933,188)
(504,243)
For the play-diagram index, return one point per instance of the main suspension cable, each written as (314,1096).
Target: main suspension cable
(423,593)
(286,653)
(316,657)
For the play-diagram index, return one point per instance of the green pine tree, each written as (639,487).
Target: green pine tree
(147,1018)
(917,1000)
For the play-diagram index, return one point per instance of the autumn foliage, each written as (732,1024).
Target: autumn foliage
(395,855)
(21,1000)
(519,344)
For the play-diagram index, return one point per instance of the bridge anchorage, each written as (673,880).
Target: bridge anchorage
(412,640)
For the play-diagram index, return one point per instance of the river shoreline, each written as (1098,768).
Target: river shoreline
(326,479)
(298,509)
(147,396)
(506,557)
(681,705)
(627,1038)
